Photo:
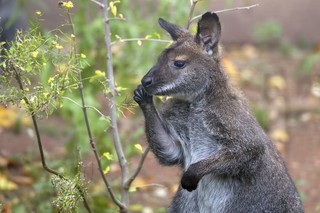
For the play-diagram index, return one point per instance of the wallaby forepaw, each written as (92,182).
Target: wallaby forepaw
(189,181)
(141,96)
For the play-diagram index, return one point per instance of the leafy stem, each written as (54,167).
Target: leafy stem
(39,141)
(86,118)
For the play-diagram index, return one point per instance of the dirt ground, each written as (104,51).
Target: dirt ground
(293,109)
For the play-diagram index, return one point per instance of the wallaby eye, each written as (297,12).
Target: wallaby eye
(179,64)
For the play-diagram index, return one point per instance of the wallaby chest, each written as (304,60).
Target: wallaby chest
(185,122)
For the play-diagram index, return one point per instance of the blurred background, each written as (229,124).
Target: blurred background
(271,52)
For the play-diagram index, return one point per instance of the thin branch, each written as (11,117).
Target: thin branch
(238,8)
(86,118)
(140,39)
(150,185)
(98,3)
(138,169)
(116,18)
(87,106)
(113,113)
(226,10)
(193,5)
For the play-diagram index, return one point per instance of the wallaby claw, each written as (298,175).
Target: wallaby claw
(141,96)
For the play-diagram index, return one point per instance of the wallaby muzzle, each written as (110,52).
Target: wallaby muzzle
(148,79)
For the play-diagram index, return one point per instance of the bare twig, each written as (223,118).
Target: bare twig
(138,169)
(89,132)
(140,39)
(227,10)
(193,5)
(117,19)
(98,3)
(113,113)
(238,8)
(150,185)
(87,106)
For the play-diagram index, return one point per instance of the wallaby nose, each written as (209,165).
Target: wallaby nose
(146,81)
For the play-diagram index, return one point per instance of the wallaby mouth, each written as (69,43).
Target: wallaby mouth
(152,87)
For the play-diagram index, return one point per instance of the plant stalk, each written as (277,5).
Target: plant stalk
(113,111)
(86,118)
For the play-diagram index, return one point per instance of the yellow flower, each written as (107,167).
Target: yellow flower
(231,69)
(277,82)
(38,13)
(61,68)
(59,47)
(68,4)
(99,73)
(280,135)
(83,55)
(7,117)
(23,102)
(72,36)
(108,155)
(50,80)
(34,54)
(6,184)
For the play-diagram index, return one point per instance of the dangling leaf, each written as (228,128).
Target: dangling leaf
(113,8)
(106,170)
(138,147)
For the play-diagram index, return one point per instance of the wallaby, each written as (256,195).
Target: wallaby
(229,163)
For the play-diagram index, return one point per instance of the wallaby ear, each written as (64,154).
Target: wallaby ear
(175,31)
(208,33)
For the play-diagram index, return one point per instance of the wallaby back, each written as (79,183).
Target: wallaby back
(229,163)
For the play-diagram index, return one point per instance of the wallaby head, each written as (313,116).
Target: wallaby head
(188,66)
